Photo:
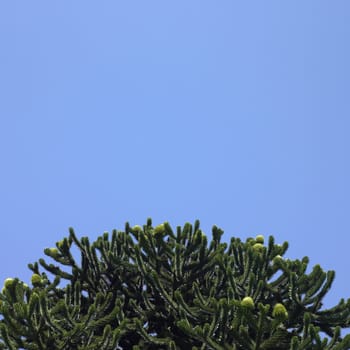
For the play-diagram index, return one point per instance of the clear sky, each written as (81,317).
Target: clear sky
(235,113)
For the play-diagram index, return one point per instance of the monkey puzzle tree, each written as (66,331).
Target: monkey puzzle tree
(152,288)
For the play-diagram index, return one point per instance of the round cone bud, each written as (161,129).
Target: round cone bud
(248,302)
(258,247)
(259,239)
(53,252)
(280,312)
(159,229)
(277,259)
(8,282)
(136,228)
(36,279)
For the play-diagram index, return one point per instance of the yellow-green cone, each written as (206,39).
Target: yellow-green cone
(258,247)
(159,229)
(259,239)
(277,259)
(136,228)
(8,282)
(248,302)
(280,312)
(36,279)
(53,252)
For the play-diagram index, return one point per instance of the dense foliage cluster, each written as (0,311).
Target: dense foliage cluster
(153,288)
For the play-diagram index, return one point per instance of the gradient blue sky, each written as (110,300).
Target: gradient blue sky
(235,113)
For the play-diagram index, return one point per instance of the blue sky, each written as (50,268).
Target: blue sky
(235,113)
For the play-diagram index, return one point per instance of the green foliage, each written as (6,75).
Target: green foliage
(152,288)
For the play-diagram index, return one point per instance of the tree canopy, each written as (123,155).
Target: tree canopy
(155,288)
